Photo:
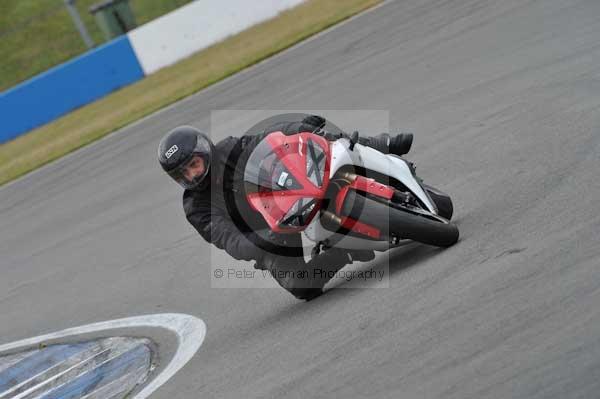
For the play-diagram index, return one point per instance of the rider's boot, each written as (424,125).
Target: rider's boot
(398,144)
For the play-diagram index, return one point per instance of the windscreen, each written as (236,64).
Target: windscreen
(285,179)
(266,172)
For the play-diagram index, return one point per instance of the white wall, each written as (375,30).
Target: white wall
(198,25)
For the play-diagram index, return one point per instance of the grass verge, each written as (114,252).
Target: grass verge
(173,83)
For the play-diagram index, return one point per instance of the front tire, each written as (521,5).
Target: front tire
(402,224)
(442,201)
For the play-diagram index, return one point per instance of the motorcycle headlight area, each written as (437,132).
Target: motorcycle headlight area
(315,163)
(299,213)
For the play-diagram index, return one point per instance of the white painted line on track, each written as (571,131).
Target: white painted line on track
(190,332)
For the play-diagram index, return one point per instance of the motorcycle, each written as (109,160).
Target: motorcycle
(343,194)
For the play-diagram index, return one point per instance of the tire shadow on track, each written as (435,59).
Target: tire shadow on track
(394,262)
(399,260)
(292,312)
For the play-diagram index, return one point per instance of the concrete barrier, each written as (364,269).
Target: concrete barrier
(198,25)
(73,84)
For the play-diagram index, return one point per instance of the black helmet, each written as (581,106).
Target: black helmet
(185,153)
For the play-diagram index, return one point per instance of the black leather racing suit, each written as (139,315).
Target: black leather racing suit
(215,213)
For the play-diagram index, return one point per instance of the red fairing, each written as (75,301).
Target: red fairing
(292,151)
(361,228)
(366,185)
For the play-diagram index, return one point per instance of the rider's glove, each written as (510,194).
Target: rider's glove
(361,255)
(272,262)
(338,257)
(332,259)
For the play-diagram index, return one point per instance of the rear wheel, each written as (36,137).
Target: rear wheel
(399,223)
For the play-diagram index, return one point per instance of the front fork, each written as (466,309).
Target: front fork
(370,187)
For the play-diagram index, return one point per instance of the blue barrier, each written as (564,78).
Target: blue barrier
(63,88)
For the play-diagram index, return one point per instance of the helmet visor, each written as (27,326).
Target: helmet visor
(191,173)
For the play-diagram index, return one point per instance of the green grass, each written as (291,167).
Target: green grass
(38,34)
(170,84)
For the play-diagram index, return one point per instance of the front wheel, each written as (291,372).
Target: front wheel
(400,223)
(442,201)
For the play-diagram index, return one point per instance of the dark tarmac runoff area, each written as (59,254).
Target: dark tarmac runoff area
(504,101)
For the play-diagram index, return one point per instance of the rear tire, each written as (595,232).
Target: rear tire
(400,223)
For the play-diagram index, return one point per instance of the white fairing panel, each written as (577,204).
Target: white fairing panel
(374,160)
(389,165)
(196,26)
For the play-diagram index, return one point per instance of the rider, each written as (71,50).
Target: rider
(212,176)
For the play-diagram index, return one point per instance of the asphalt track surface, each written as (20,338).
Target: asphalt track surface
(504,98)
